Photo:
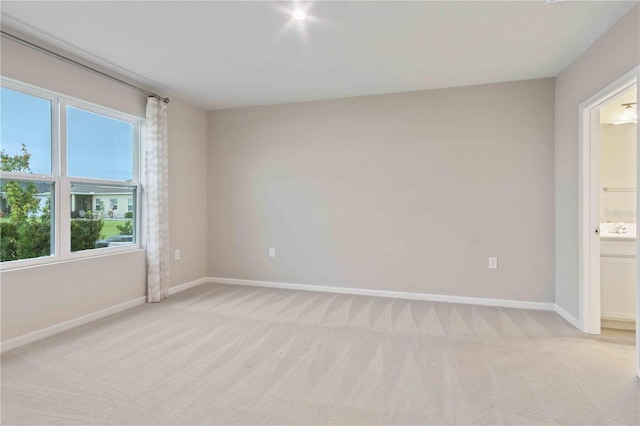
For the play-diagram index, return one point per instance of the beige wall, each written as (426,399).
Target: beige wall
(618,170)
(613,55)
(43,296)
(39,297)
(187,191)
(406,192)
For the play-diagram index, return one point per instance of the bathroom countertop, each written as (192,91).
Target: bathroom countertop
(612,236)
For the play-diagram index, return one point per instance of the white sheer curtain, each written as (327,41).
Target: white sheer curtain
(156,196)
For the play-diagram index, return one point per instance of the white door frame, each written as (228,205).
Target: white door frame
(589,215)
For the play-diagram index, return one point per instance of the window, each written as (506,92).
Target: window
(55,148)
(27,185)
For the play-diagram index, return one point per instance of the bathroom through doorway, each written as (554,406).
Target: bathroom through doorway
(609,247)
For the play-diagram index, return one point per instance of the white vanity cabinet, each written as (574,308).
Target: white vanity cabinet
(618,278)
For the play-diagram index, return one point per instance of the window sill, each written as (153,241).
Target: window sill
(15,265)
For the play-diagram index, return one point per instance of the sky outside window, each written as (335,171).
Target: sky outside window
(99,146)
(26,119)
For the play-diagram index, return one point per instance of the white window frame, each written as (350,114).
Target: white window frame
(61,212)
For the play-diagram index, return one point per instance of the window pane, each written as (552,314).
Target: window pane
(99,146)
(25,219)
(25,120)
(100,216)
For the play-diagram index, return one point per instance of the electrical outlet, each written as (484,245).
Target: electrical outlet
(493,263)
(272,252)
(176,254)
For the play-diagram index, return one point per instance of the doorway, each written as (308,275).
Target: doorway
(618,215)
(609,247)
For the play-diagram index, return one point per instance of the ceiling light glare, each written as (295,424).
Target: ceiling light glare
(299,15)
(629,114)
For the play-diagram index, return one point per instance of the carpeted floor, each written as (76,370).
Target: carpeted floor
(235,355)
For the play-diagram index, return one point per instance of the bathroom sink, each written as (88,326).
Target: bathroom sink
(608,231)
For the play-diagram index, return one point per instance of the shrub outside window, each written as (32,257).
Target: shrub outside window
(54,149)
(27,232)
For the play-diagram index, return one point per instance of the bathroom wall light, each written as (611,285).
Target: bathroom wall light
(299,15)
(629,115)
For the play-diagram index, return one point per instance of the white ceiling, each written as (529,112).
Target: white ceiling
(234,54)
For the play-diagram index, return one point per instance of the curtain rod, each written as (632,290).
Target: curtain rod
(80,65)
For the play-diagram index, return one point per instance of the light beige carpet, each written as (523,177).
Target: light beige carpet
(234,355)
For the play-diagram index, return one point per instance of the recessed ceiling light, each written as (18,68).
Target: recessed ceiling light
(299,15)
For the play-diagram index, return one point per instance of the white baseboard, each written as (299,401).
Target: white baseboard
(186,286)
(393,294)
(68,325)
(567,317)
